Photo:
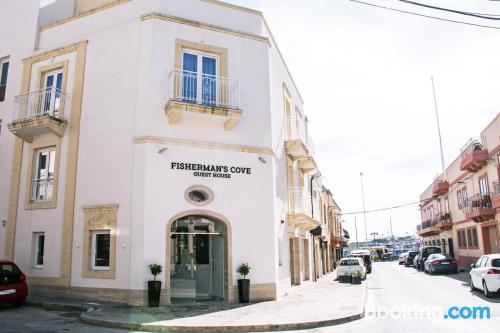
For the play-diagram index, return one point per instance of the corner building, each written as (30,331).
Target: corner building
(169,132)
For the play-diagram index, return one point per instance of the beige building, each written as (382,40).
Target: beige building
(460,208)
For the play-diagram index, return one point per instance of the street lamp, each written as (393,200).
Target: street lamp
(364,210)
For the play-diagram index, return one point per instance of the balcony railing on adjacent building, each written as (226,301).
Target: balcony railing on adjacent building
(479,208)
(440,186)
(39,112)
(473,156)
(495,195)
(41,189)
(299,208)
(203,93)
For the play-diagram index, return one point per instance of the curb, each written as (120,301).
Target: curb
(60,306)
(214,329)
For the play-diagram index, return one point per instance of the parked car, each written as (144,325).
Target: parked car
(485,274)
(13,287)
(409,258)
(350,266)
(367,259)
(387,256)
(437,263)
(424,252)
(394,256)
(402,258)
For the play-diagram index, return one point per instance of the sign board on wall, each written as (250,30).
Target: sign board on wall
(211,170)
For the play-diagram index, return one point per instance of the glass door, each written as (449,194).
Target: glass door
(51,93)
(199,80)
(197,261)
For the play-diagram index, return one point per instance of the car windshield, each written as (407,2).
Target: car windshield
(495,263)
(436,257)
(9,273)
(349,262)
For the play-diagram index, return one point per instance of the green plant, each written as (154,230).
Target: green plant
(155,269)
(243,270)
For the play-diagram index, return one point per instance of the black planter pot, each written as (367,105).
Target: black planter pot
(154,290)
(244,290)
(356,280)
(344,279)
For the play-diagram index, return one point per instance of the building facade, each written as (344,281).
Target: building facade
(170,132)
(460,208)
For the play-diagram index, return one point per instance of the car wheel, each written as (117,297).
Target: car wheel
(431,272)
(472,285)
(486,292)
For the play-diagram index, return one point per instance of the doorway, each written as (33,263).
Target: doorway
(491,239)
(197,259)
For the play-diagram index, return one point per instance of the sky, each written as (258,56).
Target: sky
(369,98)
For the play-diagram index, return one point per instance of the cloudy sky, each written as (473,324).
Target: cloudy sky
(369,95)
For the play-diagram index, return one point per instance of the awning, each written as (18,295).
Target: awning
(316,231)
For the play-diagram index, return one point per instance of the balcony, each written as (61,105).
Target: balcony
(495,196)
(41,190)
(479,208)
(428,228)
(444,221)
(299,146)
(440,186)
(473,156)
(38,112)
(197,93)
(299,209)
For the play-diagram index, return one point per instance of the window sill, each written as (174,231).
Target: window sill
(99,274)
(41,205)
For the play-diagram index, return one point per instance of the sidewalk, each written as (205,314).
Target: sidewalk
(323,303)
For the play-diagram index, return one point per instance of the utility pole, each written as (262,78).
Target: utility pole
(364,210)
(356,229)
(390,223)
(437,121)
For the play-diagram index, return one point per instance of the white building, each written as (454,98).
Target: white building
(170,132)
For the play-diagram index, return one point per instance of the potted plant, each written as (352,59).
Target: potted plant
(244,284)
(154,287)
(356,278)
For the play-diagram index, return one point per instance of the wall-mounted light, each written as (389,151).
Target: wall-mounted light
(262,159)
(4,223)
(161,150)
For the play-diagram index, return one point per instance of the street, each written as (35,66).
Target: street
(400,290)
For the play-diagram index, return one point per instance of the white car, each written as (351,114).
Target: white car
(349,266)
(402,258)
(485,274)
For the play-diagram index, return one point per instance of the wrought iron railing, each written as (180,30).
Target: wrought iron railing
(477,202)
(299,201)
(204,89)
(41,189)
(471,146)
(44,102)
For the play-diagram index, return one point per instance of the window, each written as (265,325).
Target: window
(199,80)
(4,72)
(42,184)
(459,199)
(469,237)
(199,195)
(472,237)
(462,241)
(100,249)
(483,185)
(464,196)
(38,249)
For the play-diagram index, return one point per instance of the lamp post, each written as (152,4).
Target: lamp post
(364,210)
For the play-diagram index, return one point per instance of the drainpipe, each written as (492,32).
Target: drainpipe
(312,215)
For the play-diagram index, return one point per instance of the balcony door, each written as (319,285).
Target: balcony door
(51,93)
(199,78)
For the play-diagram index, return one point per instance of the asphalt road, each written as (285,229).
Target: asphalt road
(404,291)
(399,290)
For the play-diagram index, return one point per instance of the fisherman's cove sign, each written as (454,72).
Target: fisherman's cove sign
(211,170)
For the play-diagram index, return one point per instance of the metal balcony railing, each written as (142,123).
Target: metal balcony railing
(496,188)
(472,145)
(44,102)
(41,189)
(204,89)
(299,201)
(295,131)
(477,202)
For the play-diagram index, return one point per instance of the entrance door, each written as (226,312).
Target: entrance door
(197,260)
(450,247)
(493,238)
